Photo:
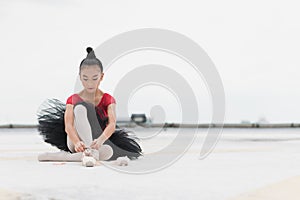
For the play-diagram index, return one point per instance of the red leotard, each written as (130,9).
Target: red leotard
(106,100)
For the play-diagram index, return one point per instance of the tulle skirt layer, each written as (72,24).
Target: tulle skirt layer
(51,126)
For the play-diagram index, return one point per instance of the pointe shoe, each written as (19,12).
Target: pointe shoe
(122,161)
(89,157)
(88,161)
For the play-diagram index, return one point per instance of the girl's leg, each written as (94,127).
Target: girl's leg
(82,124)
(82,127)
(105,152)
(88,127)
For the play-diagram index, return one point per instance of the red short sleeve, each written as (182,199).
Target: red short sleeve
(109,100)
(73,99)
(69,100)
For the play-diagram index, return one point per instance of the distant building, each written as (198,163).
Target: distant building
(135,118)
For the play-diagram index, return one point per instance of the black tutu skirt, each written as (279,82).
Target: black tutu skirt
(51,126)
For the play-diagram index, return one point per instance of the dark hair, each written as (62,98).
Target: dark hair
(91,59)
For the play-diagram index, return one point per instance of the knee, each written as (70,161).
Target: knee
(105,152)
(80,109)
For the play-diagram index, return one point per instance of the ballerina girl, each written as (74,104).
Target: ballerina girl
(87,119)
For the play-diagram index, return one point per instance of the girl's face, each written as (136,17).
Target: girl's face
(91,76)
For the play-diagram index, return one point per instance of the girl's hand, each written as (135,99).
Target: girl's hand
(96,144)
(79,146)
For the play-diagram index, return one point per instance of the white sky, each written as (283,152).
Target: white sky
(254,45)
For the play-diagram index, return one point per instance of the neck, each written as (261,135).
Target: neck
(91,95)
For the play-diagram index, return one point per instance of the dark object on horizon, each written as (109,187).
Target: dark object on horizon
(139,118)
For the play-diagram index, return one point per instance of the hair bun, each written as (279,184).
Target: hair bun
(89,49)
(91,53)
